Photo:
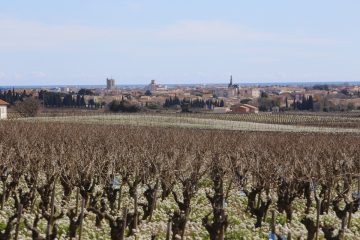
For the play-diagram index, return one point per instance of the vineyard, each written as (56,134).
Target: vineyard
(61,180)
(344,120)
(243,122)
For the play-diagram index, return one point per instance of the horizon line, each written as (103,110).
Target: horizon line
(182,84)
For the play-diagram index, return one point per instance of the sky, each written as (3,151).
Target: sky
(82,42)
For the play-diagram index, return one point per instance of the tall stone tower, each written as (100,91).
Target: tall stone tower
(110,83)
(233,89)
(231,82)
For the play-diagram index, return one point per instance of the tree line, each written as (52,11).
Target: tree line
(11,96)
(55,99)
(196,103)
(307,103)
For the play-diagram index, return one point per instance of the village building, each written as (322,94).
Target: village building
(110,84)
(244,108)
(152,87)
(221,110)
(233,89)
(275,109)
(3,109)
(249,93)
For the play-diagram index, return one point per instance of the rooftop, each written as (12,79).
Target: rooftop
(2,102)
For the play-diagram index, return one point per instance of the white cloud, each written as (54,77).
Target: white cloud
(22,77)
(23,35)
(38,74)
(223,32)
(201,48)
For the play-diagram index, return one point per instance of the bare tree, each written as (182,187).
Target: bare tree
(29,107)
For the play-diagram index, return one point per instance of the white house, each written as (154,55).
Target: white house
(3,109)
(221,110)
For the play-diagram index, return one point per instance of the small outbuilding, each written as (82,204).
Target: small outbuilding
(239,109)
(244,108)
(3,109)
(221,110)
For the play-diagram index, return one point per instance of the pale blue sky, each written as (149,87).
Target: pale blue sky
(178,41)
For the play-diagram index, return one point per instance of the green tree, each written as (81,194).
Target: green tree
(123,106)
(310,104)
(82,101)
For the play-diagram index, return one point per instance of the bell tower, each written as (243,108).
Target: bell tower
(231,82)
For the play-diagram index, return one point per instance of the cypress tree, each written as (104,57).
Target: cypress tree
(310,103)
(294,103)
(82,101)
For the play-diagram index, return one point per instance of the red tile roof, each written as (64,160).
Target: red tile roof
(3,102)
(249,106)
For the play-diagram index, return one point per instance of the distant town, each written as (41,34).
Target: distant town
(224,98)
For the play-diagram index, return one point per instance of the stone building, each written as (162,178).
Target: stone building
(3,109)
(110,83)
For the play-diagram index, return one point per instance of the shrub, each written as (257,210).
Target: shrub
(123,106)
(29,107)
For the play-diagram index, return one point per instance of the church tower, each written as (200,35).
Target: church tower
(231,82)
(233,89)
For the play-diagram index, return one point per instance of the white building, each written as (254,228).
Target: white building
(3,109)
(221,110)
(65,89)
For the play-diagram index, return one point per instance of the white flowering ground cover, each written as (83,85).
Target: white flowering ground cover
(191,122)
(241,223)
(106,154)
(343,120)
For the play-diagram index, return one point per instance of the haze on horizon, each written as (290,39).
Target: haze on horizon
(82,42)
